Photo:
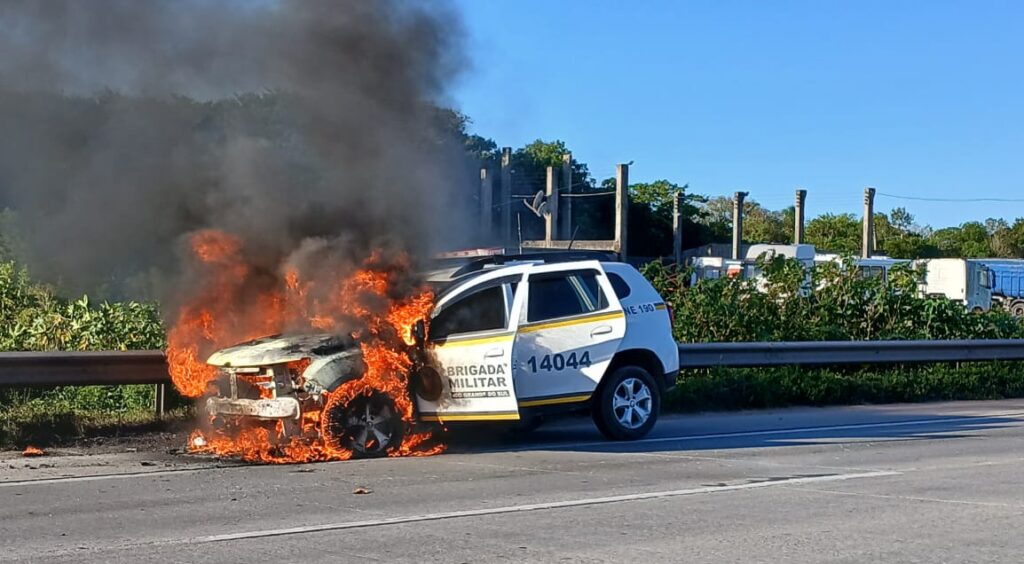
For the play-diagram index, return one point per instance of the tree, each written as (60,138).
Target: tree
(760,225)
(835,233)
(970,240)
(1008,241)
(650,216)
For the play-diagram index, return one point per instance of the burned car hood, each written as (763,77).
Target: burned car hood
(282,348)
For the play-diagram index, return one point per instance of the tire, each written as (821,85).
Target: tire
(1017,308)
(369,426)
(627,405)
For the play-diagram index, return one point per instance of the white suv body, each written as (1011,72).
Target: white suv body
(555,328)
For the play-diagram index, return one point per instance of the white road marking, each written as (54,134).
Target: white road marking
(98,477)
(528,507)
(991,418)
(915,498)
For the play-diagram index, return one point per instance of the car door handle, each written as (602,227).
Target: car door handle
(602,330)
(495,353)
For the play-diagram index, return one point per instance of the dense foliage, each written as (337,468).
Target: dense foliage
(843,306)
(33,318)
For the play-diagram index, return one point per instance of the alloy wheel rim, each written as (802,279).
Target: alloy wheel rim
(632,403)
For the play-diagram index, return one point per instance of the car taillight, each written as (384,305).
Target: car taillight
(671,315)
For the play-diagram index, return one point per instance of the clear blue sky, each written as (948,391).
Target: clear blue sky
(921,99)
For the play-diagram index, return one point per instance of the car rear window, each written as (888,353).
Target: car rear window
(619,285)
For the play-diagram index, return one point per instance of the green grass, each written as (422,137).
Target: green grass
(46,417)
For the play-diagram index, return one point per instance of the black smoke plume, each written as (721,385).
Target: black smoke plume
(308,128)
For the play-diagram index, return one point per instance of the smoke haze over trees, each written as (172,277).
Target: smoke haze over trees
(307,128)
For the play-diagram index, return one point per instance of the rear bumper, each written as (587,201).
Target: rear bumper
(272,409)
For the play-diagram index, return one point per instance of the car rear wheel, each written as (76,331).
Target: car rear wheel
(1017,308)
(369,426)
(627,405)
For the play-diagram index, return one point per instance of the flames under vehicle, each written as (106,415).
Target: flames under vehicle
(508,340)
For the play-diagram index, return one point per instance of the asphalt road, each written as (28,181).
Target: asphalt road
(907,483)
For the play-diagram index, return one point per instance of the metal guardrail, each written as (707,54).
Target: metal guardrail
(87,369)
(823,353)
(150,367)
(83,368)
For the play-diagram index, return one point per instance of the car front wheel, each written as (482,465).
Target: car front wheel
(627,405)
(369,426)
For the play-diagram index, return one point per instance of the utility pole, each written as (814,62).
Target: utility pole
(505,196)
(621,208)
(868,237)
(737,223)
(551,214)
(566,220)
(798,227)
(486,204)
(677,226)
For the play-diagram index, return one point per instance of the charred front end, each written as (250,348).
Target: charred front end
(281,379)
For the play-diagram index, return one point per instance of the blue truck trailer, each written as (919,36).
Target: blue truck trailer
(1008,286)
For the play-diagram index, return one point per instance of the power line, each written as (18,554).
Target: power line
(961,200)
(587,195)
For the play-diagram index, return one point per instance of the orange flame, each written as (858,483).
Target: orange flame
(232,307)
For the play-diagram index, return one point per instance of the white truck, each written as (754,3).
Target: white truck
(967,281)
(874,267)
(509,338)
(706,268)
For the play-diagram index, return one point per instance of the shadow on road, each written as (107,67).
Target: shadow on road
(801,427)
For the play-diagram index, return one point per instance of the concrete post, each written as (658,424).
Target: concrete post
(566,204)
(551,214)
(677,227)
(505,196)
(486,204)
(737,223)
(868,236)
(798,227)
(621,208)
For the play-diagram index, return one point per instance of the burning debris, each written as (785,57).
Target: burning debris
(33,452)
(299,208)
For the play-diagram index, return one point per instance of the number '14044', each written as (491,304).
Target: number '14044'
(556,362)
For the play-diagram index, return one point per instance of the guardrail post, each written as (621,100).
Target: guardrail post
(160,399)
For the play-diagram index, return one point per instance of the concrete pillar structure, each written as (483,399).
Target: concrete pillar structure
(868,237)
(737,223)
(621,208)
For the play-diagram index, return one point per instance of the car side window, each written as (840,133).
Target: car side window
(483,310)
(564,295)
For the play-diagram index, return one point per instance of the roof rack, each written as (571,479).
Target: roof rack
(542,256)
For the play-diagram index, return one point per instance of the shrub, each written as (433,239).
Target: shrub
(841,305)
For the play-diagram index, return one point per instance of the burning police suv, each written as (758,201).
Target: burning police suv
(510,338)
